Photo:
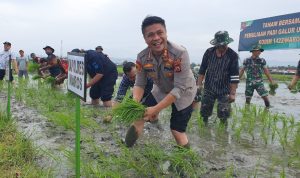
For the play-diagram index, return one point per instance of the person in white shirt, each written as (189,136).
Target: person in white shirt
(5,57)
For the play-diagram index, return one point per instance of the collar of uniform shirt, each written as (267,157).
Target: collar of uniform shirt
(164,55)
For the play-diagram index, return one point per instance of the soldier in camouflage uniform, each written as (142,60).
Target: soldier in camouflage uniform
(255,66)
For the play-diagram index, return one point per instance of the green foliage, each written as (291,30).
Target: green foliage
(148,161)
(35,77)
(50,80)
(120,69)
(17,154)
(280,77)
(33,67)
(273,88)
(128,111)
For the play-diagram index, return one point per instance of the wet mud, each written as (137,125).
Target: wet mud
(218,149)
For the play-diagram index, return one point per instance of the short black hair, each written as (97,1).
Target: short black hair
(127,66)
(150,20)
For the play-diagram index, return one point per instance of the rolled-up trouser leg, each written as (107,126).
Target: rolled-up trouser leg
(207,105)
(224,108)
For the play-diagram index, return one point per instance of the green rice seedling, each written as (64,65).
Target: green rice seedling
(200,124)
(128,111)
(273,88)
(264,135)
(285,129)
(296,141)
(229,173)
(274,131)
(296,88)
(1,85)
(281,139)
(36,77)
(17,153)
(33,67)
(282,173)
(62,119)
(254,110)
(251,127)
(237,132)
(221,128)
(19,93)
(50,80)
(185,162)
(234,121)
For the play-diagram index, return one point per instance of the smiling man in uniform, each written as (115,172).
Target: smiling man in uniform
(168,65)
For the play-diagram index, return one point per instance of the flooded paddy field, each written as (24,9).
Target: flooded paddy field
(255,143)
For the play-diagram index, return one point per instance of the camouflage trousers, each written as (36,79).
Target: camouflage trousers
(207,105)
(258,86)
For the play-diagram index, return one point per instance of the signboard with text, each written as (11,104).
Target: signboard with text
(77,74)
(279,32)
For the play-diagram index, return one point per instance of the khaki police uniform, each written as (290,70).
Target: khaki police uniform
(171,73)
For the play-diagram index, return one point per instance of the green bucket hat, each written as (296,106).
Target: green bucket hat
(257,48)
(221,38)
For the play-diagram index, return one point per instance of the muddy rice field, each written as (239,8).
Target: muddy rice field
(255,143)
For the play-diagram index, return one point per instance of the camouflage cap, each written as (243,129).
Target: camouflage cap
(221,38)
(257,47)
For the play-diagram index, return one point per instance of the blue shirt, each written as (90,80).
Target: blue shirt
(126,84)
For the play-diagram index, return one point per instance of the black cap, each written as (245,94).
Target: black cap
(76,50)
(99,47)
(49,48)
(7,43)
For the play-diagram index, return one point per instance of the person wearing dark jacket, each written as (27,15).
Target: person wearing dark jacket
(220,69)
(103,73)
(128,81)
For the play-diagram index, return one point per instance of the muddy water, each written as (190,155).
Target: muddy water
(47,138)
(283,102)
(218,149)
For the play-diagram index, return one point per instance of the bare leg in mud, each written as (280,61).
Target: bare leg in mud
(266,100)
(107,103)
(248,100)
(134,132)
(180,137)
(95,102)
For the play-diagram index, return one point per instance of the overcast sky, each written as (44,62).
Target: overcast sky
(115,24)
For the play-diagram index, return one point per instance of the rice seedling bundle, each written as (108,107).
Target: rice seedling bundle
(273,88)
(36,77)
(50,80)
(33,67)
(128,111)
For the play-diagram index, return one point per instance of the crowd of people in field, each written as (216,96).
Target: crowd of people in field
(161,77)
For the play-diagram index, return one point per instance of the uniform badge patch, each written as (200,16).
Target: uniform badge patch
(148,65)
(138,65)
(177,65)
